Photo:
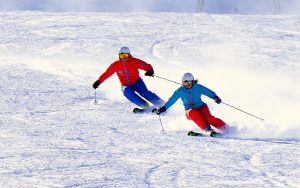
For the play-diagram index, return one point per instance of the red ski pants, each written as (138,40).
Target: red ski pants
(202,118)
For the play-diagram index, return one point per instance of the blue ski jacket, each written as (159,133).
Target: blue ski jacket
(191,98)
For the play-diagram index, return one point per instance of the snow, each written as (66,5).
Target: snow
(53,135)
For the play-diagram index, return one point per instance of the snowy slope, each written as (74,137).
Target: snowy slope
(52,135)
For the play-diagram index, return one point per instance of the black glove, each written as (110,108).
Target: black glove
(96,84)
(161,110)
(217,99)
(149,73)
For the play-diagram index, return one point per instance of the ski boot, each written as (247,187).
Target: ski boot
(211,132)
(145,108)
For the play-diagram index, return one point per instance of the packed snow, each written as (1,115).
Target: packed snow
(53,135)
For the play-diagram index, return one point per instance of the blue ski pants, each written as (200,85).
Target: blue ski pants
(138,92)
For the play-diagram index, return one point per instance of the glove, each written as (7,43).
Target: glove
(96,84)
(217,99)
(161,110)
(149,73)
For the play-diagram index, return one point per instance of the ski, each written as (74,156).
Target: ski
(143,110)
(138,110)
(212,134)
(215,134)
(192,133)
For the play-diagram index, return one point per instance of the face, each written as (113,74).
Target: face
(188,84)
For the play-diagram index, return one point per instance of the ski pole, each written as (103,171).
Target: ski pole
(95,101)
(162,128)
(167,79)
(222,102)
(243,111)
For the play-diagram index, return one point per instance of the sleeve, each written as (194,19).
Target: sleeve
(172,99)
(110,71)
(207,92)
(143,65)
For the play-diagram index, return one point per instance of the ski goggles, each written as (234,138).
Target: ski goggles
(123,55)
(188,82)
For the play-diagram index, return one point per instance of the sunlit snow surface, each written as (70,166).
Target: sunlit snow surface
(53,135)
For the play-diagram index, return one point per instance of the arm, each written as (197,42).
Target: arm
(110,71)
(172,99)
(207,92)
(169,103)
(143,65)
(211,94)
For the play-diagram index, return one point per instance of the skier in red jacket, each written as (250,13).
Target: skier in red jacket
(133,87)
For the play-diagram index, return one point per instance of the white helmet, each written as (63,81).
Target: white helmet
(187,77)
(124,50)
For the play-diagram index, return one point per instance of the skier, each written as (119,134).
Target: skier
(133,87)
(190,93)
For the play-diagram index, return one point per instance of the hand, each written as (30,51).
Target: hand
(96,84)
(217,99)
(149,73)
(161,110)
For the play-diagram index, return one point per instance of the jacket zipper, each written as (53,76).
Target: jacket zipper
(191,101)
(126,73)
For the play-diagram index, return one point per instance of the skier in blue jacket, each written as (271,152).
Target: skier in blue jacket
(190,93)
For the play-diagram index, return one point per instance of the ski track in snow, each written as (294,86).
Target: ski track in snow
(52,135)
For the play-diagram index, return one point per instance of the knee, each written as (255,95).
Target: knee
(126,91)
(209,118)
(146,93)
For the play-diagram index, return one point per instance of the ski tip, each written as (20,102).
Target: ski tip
(215,135)
(138,110)
(212,134)
(142,110)
(192,133)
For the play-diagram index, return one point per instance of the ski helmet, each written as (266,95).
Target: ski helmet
(124,50)
(187,77)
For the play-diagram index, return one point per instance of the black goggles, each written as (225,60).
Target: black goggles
(189,82)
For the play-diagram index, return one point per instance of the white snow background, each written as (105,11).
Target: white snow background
(53,135)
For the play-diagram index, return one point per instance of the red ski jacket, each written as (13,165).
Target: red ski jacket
(127,70)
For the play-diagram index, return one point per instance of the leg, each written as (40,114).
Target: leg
(194,115)
(133,97)
(140,87)
(216,122)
